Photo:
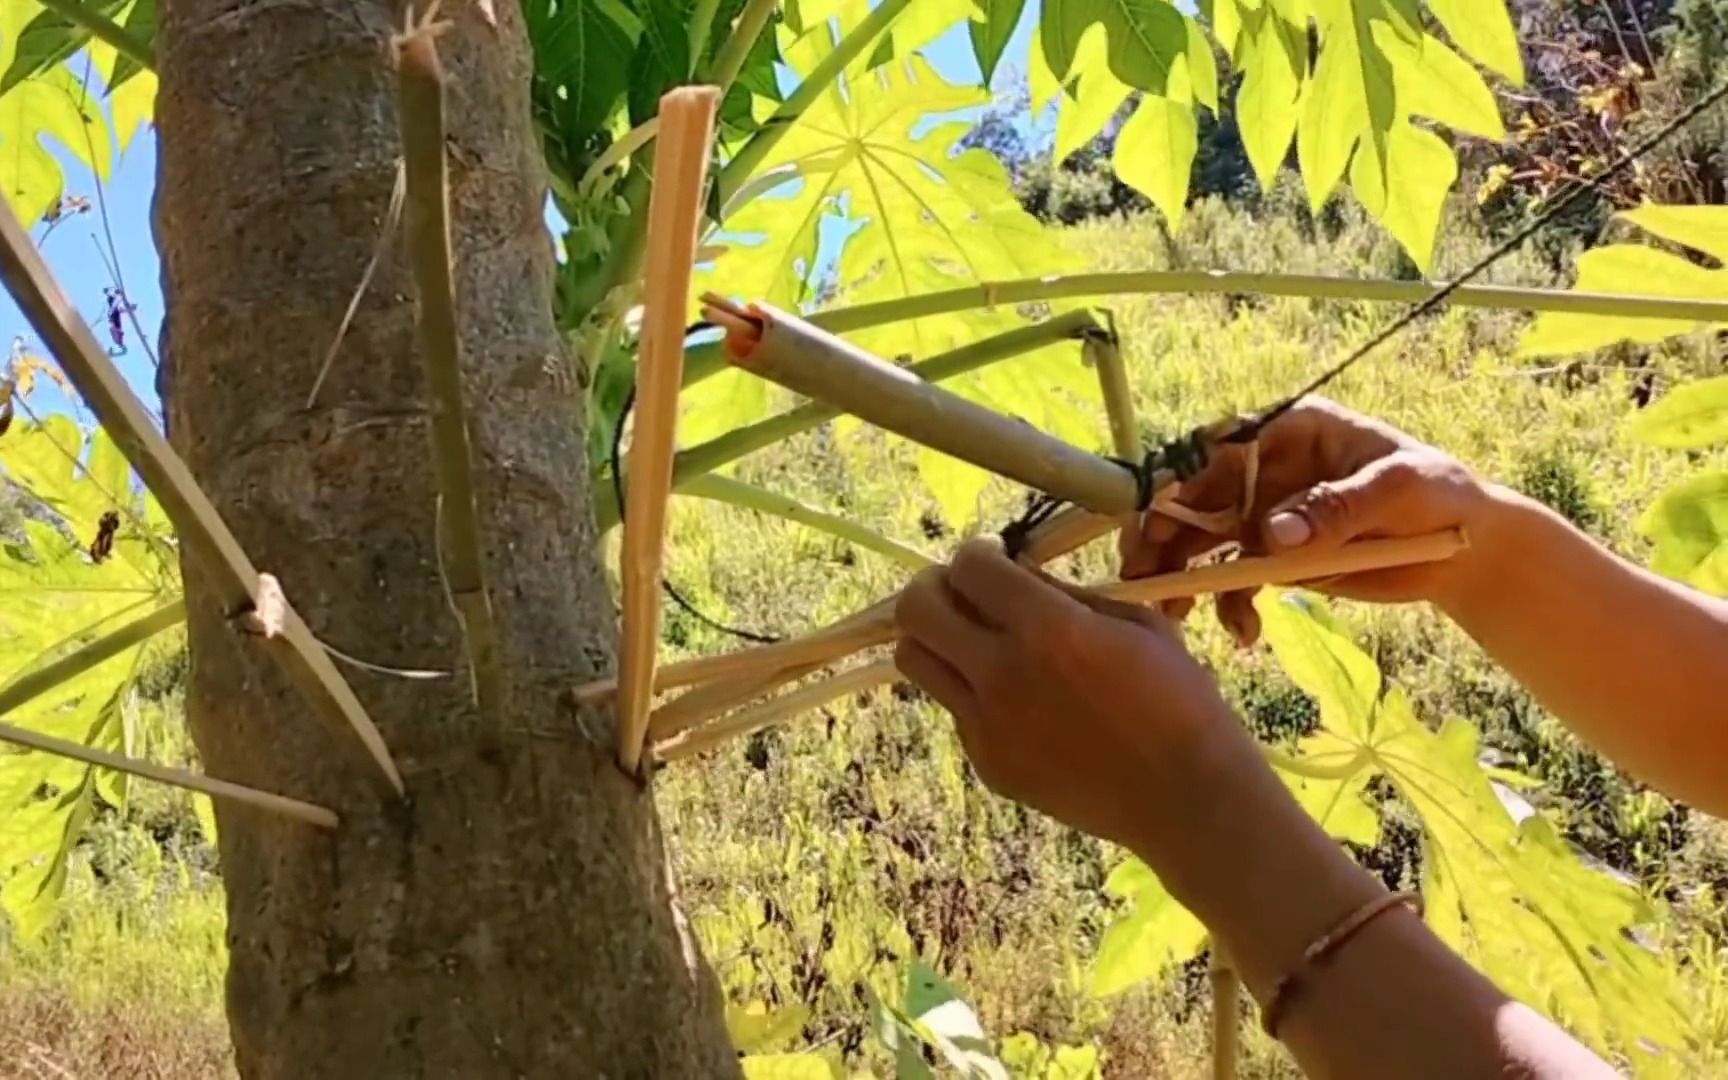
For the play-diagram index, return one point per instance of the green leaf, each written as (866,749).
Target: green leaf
(1433,81)
(1419,170)
(582,49)
(1145,37)
(1321,659)
(937,1008)
(1701,228)
(1273,56)
(205,811)
(55,105)
(1483,29)
(1633,270)
(1155,154)
(1690,416)
(991,34)
(131,89)
(1350,100)
(787,1067)
(754,1028)
(1329,777)
(1154,933)
(1688,523)
(1094,95)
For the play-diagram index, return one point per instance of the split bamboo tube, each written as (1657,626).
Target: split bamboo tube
(181,778)
(770,712)
(674,211)
(785,349)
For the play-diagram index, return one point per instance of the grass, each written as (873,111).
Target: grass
(817,859)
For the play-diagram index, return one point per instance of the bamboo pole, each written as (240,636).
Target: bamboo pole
(420,92)
(704,458)
(675,210)
(791,352)
(1068,529)
(1226,1025)
(181,778)
(772,712)
(710,360)
(1104,352)
(236,583)
(21,690)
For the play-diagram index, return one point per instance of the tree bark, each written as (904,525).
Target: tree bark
(515,916)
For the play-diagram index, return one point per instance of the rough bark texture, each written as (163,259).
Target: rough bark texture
(515,917)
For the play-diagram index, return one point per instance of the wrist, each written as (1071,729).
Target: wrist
(1498,529)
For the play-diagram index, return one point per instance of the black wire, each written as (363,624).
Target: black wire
(618,489)
(1251,430)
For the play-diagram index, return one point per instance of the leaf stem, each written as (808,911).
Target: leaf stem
(750,497)
(724,449)
(630,142)
(1310,770)
(104,29)
(729,61)
(709,360)
(821,77)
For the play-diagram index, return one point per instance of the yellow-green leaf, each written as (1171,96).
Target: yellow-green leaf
(754,1028)
(787,1067)
(1701,228)
(1145,37)
(1094,95)
(1153,934)
(54,105)
(1692,415)
(1155,153)
(1420,170)
(1688,523)
(1483,29)
(1634,270)
(1274,60)
(1433,81)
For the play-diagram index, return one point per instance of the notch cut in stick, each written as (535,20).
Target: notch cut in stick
(1290,569)
(420,110)
(674,212)
(227,570)
(770,712)
(181,778)
(799,356)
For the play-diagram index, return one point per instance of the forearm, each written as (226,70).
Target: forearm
(1636,664)
(1394,1001)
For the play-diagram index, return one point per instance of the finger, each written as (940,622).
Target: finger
(1334,512)
(1240,618)
(1006,593)
(929,612)
(937,678)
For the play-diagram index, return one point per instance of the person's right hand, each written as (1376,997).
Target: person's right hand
(1327,476)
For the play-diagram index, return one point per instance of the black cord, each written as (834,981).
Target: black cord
(618,489)
(1187,455)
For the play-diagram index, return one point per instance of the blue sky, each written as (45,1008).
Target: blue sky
(77,247)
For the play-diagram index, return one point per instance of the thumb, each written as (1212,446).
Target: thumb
(1334,512)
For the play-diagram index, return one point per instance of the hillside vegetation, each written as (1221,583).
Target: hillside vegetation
(819,859)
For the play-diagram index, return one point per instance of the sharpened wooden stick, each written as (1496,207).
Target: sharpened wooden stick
(420,109)
(218,789)
(229,572)
(810,361)
(675,210)
(772,712)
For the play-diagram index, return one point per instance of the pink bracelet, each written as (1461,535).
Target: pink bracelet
(1327,944)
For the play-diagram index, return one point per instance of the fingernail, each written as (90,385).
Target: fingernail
(1289,529)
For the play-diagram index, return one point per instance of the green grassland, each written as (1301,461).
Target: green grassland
(819,858)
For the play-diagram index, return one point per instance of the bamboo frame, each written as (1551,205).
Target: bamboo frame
(737,493)
(1226,1027)
(21,690)
(1068,529)
(1105,355)
(420,93)
(692,464)
(675,211)
(207,538)
(1255,572)
(770,712)
(804,359)
(710,359)
(181,778)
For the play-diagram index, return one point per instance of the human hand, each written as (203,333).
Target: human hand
(1087,709)
(1326,476)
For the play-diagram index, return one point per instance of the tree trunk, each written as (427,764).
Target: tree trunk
(515,916)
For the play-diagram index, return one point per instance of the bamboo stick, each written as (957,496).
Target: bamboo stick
(420,92)
(790,351)
(181,778)
(235,581)
(710,360)
(772,712)
(675,209)
(21,690)
(1226,1025)
(1068,529)
(690,465)
(1105,354)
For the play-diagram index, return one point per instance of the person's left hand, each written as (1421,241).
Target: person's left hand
(1087,709)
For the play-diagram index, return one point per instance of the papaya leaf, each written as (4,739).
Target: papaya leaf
(1323,661)
(1690,416)
(1637,270)
(787,1067)
(1155,153)
(991,34)
(1145,37)
(131,89)
(1153,933)
(53,104)
(1688,523)
(755,1029)
(1094,96)
(1273,56)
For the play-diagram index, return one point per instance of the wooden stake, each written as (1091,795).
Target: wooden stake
(806,360)
(218,789)
(798,701)
(674,211)
(230,574)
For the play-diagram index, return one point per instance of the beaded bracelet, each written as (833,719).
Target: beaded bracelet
(1325,946)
